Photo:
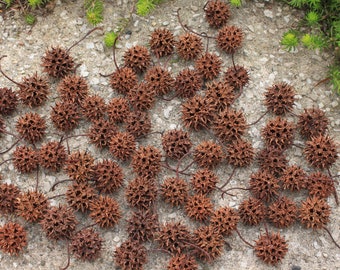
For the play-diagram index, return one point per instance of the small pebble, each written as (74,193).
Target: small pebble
(268,13)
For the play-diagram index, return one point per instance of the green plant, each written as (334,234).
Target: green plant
(236,3)
(30,19)
(8,3)
(334,73)
(110,39)
(144,7)
(36,3)
(290,40)
(94,11)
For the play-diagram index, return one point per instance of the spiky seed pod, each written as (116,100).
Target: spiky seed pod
(279,98)
(65,115)
(141,97)
(229,125)
(162,42)
(182,262)
(294,178)
(220,94)
(130,255)
(176,143)
(52,156)
(320,185)
(208,66)
(138,123)
(25,159)
(86,244)
(118,109)
(79,166)
(13,238)
(252,211)
(79,196)
(8,196)
(225,220)
(173,237)
(31,205)
(217,13)
(237,76)
(122,145)
(314,213)
(271,248)
(208,154)
(59,222)
(272,160)
(159,80)
(141,193)
(204,181)
(264,185)
(100,131)
(33,90)
(57,62)
(174,191)
(196,113)
(240,153)
(229,38)
(142,225)
(209,240)
(189,46)
(312,123)
(321,151)
(108,176)
(73,88)
(278,133)
(8,101)
(138,58)
(199,207)
(124,79)
(93,107)
(146,161)
(187,83)
(31,126)
(105,211)
(283,212)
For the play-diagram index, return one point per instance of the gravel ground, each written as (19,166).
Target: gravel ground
(263,23)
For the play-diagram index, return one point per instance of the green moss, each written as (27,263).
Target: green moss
(110,38)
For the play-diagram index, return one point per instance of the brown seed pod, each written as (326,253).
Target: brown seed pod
(176,143)
(237,76)
(220,94)
(73,88)
(141,193)
(173,237)
(208,154)
(199,207)
(142,225)
(240,153)
(312,123)
(174,191)
(279,98)
(182,262)
(13,238)
(31,205)
(123,79)
(294,178)
(321,151)
(272,160)
(8,196)
(59,222)
(141,97)
(79,166)
(122,145)
(146,161)
(108,176)
(105,211)
(314,213)
(162,42)
(187,83)
(204,181)
(31,126)
(118,109)
(217,13)
(252,211)
(93,107)
(283,212)
(130,255)
(8,101)
(225,220)
(79,196)
(208,66)
(100,131)
(264,185)
(138,58)
(271,248)
(159,80)
(229,38)
(320,185)
(278,133)
(189,46)
(65,115)
(86,244)
(57,62)
(25,159)
(52,156)
(138,123)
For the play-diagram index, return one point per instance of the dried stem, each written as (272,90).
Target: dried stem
(329,233)
(59,182)
(14,144)
(239,234)
(68,257)
(6,76)
(254,123)
(88,33)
